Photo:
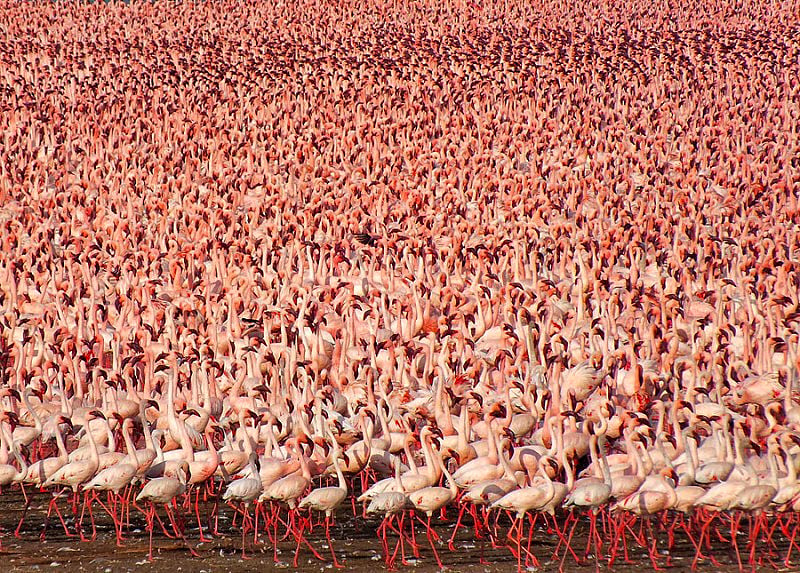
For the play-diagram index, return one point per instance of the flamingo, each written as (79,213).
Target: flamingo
(328,499)
(333,249)
(163,491)
(8,473)
(389,504)
(718,498)
(73,475)
(432,498)
(592,495)
(113,479)
(524,500)
(38,472)
(289,490)
(245,490)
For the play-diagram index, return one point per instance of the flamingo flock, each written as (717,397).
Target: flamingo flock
(480,271)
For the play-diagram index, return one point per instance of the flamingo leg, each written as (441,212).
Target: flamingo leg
(203,538)
(515,534)
(290,524)
(768,533)
(330,543)
(753,538)
(671,532)
(432,535)
(688,533)
(755,526)
(561,539)
(150,524)
(179,530)
(594,535)
(255,525)
(787,561)
(156,518)
(699,552)
(126,504)
(384,544)
(625,540)
(215,516)
(22,519)
(734,529)
(298,533)
(530,556)
(455,529)
(117,517)
(619,531)
(414,545)
(479,522)
(652,549)
(54,505)
(400,530)
(569,545)
(110,507)
(564,539)
(24,511)
(86,501)
(401,538)
(511,537)
(244,533)
(275,520)
(519,544)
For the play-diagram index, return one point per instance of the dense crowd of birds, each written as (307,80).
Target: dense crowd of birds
(519,259)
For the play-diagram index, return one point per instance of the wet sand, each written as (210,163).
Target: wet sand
(355,541)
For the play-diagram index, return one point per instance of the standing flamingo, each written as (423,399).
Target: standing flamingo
(592,495)
(328,499)
(523,500)
(431,499)
(113,479)
(245,490)
(73,475)
(163,491)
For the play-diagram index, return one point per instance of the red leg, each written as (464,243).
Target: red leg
(431,536)
(330,543)
(569,545)
(54,505)
(150,524)
(298,533)
(203,538)
(22,519)
(455,529)
(179,530)
(244,532)
(87,501)
(653,548)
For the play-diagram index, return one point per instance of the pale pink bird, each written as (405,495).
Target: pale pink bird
(245,490)
(163,491)
(327,500)
(76,473)
(431,499)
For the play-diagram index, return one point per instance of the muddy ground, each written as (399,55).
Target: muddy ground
(355,541)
